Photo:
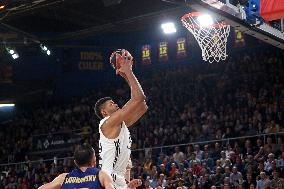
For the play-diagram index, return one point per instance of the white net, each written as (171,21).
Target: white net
(212,38)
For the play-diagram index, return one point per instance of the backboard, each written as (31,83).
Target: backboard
(236,17)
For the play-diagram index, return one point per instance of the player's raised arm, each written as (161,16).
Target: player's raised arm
(134,108)
(137,94)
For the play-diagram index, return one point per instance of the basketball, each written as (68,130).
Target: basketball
(114,59)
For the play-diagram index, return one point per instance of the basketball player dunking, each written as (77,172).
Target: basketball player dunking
(115,139)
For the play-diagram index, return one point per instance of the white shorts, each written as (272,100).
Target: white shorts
(120,187)
(119,181)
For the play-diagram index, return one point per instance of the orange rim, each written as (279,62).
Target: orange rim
(195,14)
(219,25)
(191,14)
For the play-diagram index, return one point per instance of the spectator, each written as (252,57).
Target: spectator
(249,181)
(275,179)
(216,152)
(162,170)
(218,177)
(173,170)
(236,177)
(207,182)
(196,168)
(169,165)
(280,161)
(147,185)
(162,181)
(178,155)
(208,161)
(154,181)
(223,158)
(198,152)
(263,181)
(148,166)
(193,158)
(268,163)
(227,172)
(239,164)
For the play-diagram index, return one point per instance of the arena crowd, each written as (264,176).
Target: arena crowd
(196,107)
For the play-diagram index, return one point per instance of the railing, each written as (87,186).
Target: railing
(170,149)
(226,140)
(153,150)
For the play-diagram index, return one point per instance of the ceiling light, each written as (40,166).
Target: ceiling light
(205,20)
(169,28)
(15,56)
(11,51)
(6,105)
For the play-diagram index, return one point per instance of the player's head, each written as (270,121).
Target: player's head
(84,155)
(105,107)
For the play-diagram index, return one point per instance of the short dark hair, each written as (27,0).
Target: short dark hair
(83,155)
(98,106)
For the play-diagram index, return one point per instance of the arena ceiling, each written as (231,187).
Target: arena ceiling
(23,22)
(71,18)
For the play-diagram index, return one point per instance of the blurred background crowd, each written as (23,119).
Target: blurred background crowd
(209,126)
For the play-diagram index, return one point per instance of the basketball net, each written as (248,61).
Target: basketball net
(212,39)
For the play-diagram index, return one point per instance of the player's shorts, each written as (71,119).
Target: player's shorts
(119,181)
(120,187)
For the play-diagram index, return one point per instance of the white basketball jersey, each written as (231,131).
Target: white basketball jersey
(114,154)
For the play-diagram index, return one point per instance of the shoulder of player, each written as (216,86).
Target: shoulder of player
(60,178)
(114,120)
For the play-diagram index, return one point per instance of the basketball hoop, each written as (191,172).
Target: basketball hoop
(210,35)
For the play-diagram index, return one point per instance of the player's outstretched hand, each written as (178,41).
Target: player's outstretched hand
(125,61)
(134,183)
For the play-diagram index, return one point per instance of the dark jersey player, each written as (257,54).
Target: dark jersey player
(85,175)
